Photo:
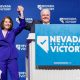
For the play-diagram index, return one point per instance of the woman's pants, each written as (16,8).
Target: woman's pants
(10,65)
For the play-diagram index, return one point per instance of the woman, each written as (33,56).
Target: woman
(8,51)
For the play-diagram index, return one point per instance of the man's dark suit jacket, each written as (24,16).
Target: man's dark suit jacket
(31,26)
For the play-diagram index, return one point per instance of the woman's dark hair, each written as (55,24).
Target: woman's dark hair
(2,22)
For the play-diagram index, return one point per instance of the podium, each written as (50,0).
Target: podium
(40,74)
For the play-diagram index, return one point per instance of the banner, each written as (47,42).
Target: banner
(58,45)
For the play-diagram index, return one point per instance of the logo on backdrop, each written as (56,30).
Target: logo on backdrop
(21,47)
(5,7)
(29,20)
(22,74)
(68,20)
(50,7)
(59,43)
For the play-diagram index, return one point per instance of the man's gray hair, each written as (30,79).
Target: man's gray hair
(45,9)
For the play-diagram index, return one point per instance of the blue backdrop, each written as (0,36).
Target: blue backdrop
(62,12)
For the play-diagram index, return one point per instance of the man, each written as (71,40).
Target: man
(45,19)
